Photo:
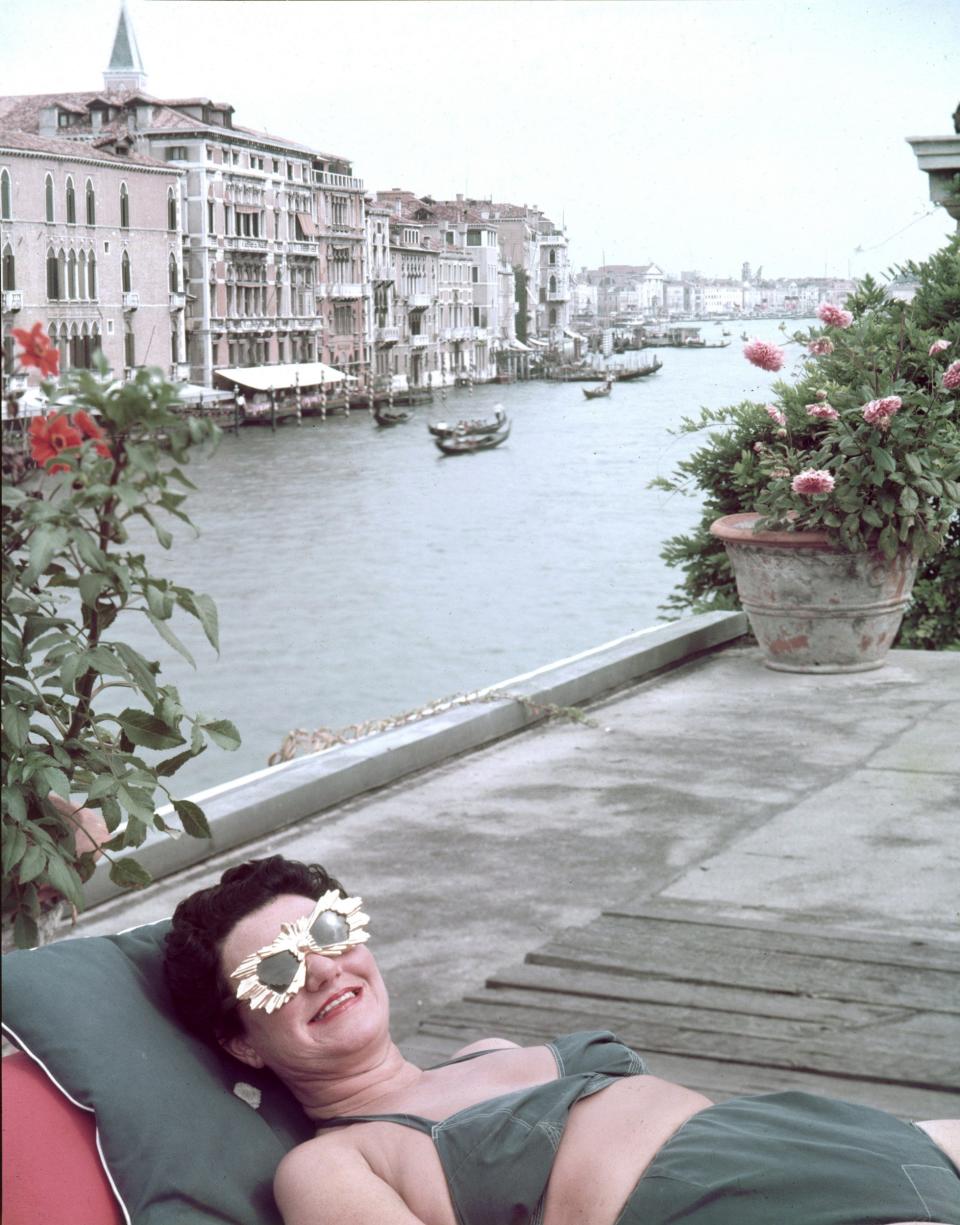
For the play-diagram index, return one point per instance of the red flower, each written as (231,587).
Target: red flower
(51,435)
(89,429)
(37,350)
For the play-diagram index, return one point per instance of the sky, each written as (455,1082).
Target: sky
(696,134)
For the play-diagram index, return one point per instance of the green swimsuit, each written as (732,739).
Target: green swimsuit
(784,1157)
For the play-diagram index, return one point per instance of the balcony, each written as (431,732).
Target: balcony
(341,289)
(419,301)
(234,242)
(387,336)
(419,342)
(297,246)
(459,334)
(343,182)
(131,301)
(560,294)
(12,301)
(381,274)
(178,301)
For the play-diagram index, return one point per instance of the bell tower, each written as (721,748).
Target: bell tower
(125,70)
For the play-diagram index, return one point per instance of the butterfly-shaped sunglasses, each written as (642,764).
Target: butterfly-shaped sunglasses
(275,973)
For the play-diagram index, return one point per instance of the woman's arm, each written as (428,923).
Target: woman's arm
(317,1183)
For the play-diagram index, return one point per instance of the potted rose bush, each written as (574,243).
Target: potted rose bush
(826,499)
(81,778)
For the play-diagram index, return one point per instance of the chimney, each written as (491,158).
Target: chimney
(459,197)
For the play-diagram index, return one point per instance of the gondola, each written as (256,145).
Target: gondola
(594,393)
(442,430)
(391,416)
(466,444)
(625,376)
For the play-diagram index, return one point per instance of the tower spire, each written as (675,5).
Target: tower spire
(125,70)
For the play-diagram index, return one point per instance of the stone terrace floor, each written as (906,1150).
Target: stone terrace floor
(721,788)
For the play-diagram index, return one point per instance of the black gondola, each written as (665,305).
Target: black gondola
(442,430)
(466,444)
(625,376)
(595,393)
(391,416)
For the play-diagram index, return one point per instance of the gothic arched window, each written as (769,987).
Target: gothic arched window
(9,268)
(125,273)
(124,207)
(171,209)
(71,202)
(5,211)
(48,196)
(91,204)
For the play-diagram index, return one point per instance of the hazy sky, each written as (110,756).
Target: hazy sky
(695,133)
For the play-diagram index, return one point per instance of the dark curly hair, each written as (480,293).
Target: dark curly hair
(204,1003)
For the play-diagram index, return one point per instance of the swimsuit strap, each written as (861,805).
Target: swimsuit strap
(416,1121)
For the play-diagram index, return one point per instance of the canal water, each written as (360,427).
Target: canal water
(359,573)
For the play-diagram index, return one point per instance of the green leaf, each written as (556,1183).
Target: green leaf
(148,731)
(223,733)
(129,874)
(909,500)
(159,602)
(169,636)
(71,667)
(103,661)
(16,724)
(203,608)
(90,586)
(870,515)
(57,781)
(142,670)
(45,542)
(887,542)
(170,765)
(65,880)
(883,459)
(14,847)
(193,819)
(913,463)
(25,932)
(32,864)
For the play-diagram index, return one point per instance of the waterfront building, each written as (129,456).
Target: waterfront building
(272,230)
(91,244)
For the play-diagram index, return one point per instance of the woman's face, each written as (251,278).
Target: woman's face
(335,1021)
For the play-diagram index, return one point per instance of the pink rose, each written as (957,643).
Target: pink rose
(821,347)
(812,480)
(775,414)
(826,411)
(764,355)
(938,346)
(879,412)
(951,377)
(834,316)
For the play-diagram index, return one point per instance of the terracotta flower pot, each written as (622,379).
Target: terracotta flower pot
(813,606)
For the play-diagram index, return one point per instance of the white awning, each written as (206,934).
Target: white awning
(281,378)
(519,346)
(572,334)
(540,344)
(194,391)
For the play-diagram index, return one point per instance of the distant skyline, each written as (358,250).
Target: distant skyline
(696,134)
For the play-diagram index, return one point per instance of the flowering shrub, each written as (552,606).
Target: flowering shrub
(864,444)
(106,453)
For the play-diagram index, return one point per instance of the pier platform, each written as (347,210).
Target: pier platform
(750,876)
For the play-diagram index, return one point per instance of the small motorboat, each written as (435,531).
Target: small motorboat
(466,444)
(595,393)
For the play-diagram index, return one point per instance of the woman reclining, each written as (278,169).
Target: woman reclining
(272,964)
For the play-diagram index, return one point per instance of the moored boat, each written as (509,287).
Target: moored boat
(390,416)
(626,376)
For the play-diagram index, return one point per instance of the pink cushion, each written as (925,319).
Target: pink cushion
(51,1167)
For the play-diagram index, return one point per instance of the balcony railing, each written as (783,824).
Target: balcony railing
(341,289)
(299,246)
(12,300)
(131,301)
(387,336)
(344,182)
(419,342)
(381,273)
(237,242)
(558,295)
(419,301)
(178,301)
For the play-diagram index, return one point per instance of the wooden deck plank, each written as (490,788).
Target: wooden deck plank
(728,1006)
(779,932)
(628,946)
(815,1012)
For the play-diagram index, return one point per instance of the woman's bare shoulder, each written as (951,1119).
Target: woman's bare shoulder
(484,1044)
(325,1177)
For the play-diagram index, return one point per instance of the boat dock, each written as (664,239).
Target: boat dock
(751,876)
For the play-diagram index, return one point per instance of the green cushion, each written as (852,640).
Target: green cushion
(178,1143)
